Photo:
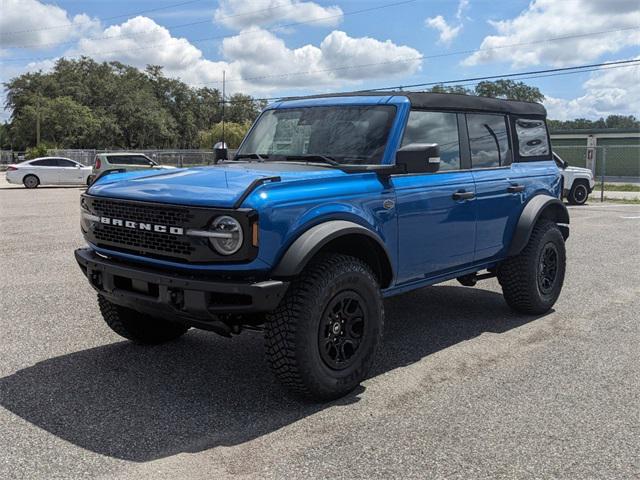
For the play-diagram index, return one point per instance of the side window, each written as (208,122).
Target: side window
(47,162)
(435,127)
(488,140)
(63,162)
(128,160)
(532,137)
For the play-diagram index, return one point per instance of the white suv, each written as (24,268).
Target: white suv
(577,182)
(121,161)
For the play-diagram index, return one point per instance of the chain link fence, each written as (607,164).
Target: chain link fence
(611,162)
(175,158)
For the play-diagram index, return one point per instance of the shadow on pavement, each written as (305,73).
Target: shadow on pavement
(144,403)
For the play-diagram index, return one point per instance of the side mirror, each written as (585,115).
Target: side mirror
(419,158)
(220,152)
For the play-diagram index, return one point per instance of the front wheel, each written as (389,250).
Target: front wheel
(578,194)
(532,280)
(321,339)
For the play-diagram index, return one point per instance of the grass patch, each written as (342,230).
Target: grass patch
(618,187)
(630,201)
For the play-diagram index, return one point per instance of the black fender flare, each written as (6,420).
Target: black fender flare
(315,238)
(540,206)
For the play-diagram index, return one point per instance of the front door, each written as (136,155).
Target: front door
(436,211)
(69,172)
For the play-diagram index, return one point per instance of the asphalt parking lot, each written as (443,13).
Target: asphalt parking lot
(463,387)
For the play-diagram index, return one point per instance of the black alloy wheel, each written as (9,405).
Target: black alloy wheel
(342,330)
(548,268)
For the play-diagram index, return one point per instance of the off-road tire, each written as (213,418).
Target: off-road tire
(30,181)
(578,194)
(138,327)
(519,275)
(294,330)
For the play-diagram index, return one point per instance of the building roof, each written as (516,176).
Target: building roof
(448,101)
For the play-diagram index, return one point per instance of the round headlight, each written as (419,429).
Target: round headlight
(228,238)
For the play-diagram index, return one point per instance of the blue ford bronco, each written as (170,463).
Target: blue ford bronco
(331,204)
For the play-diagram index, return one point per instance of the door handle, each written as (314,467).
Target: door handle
(515,188)
(463,195)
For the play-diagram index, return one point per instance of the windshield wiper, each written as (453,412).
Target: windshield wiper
(255,156)
(314,158)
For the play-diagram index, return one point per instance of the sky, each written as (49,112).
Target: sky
(269,48)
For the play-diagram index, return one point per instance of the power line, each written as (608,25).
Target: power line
(218,37)
(67,25)
(421,57)
(538,73)
(507,75)
(552,74)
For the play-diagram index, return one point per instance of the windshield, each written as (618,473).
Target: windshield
(345,134)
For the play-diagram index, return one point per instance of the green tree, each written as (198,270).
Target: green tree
(119,106)
(233,134)
(451,89)
(510,90)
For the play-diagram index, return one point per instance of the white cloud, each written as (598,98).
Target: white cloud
(447,32)
(607,92)
(33,23)
(256,60)
(462,6)
(331,63)
(240,14)
(552,18)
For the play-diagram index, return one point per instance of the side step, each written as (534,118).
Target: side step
(471,279)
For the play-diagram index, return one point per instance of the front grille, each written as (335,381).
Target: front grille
(162,245)
(137,239)
(140,240)
(165,215)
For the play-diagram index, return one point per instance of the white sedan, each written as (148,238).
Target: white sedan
(48,171)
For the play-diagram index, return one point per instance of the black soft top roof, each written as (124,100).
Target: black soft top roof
(449,101)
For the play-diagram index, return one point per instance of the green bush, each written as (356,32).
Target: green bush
(35,152)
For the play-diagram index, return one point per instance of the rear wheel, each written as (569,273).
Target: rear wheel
(138,327)
(322,338)
(532,280)
(31,181)
(578,194)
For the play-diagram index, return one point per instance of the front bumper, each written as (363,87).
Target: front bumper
(174,296)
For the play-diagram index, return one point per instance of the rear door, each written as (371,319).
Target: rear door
(45,170)
(436,211)
(499,192)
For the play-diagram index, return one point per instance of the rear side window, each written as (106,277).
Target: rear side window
(47,162)
(488,140)
(128,160)
(435,127)
(63,162)
(532,137)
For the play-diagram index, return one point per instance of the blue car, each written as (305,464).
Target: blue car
(331,204)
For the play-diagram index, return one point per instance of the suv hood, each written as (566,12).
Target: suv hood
(215,186)
(578,170)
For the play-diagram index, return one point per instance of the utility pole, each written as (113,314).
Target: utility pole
(223,102)
(38,120)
